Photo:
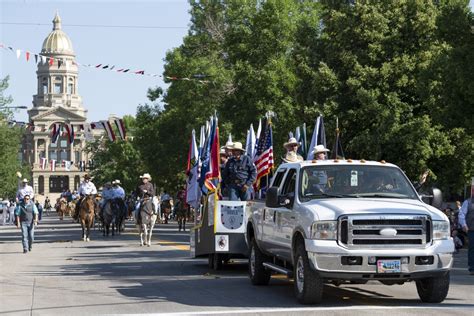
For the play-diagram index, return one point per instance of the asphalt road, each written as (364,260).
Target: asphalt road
(65,276)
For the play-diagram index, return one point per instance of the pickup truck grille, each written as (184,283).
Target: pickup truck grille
(378,231)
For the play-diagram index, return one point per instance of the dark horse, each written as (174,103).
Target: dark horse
(113,216)
(86,216)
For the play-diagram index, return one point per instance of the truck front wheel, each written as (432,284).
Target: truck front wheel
(308,284)
(433,290)
(257,272)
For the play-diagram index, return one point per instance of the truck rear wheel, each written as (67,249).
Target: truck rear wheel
(308,284)
(257,272)
(433,290)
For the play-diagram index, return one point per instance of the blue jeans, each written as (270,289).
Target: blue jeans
(28,235)
(470,251)
(237,194)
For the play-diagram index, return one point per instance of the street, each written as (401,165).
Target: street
(114,275)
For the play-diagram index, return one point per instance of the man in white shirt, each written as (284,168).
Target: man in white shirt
(86,188)
(25,189)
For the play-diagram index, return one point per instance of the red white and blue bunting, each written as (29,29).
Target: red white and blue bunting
(201,78)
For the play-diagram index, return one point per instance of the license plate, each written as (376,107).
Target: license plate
(388,266)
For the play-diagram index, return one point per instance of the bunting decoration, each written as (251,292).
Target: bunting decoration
(120,128)
(43,164)
(52,165)
(70,132)
(108,130)
(55,132)
(200,78)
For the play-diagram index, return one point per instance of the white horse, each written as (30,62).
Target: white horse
(149,215)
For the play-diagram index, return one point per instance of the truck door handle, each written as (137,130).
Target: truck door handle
(292,217)
(274,216)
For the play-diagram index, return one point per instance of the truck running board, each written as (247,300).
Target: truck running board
(278,269)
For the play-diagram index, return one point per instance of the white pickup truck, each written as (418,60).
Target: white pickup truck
(338,221)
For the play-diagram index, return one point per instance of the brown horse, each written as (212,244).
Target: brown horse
(61,207)
(166,207)
(86,216)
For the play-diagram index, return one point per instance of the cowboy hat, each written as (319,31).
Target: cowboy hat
(24,180)
(320,149)
(291,156)
(229,145)
(146,176)
(222,151)
(116,182)
(291,141)
(238,146)
(87,176)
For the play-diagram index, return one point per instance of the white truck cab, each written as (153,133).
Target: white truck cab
(348,221)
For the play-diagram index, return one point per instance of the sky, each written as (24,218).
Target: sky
(148,30)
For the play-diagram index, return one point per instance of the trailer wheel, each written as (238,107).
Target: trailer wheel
(308,284)
(257,272)
(433,290)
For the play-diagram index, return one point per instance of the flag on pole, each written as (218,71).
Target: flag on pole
(193,194)
(213,174)
(257,137)
(250,144)
(264,155)
(319,137)
(300,136)
(337,152)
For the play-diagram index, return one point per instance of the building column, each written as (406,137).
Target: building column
(35,151)
(46,143)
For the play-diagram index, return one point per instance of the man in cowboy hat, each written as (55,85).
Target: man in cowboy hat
(223,160)
(239,174)
(145,187)
(86,188)
(25,189)
(320,152)
(291,151)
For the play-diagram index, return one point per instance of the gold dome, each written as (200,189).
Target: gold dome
(57,41)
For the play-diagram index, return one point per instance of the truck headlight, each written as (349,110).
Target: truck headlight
(324,230)
(441,230)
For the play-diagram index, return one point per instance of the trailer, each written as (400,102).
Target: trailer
(219,231)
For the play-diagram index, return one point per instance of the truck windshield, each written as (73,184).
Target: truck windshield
(354,181)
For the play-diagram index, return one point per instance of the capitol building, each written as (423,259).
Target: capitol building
(61,164)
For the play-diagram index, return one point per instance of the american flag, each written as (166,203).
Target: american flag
(264,155)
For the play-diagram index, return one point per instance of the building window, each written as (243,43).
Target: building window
(70,86)
(63,143)
(58,85)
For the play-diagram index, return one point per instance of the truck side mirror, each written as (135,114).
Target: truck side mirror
(434,198)
(271,199)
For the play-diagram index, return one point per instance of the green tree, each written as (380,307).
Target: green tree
(10,138)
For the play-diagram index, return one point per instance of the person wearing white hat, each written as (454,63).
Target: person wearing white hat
(25,189)
(291,151)
(239,174)
(146,187)
(320,152)
(228,148)
(87,187)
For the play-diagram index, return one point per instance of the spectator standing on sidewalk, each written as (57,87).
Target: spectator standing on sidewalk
(27,219)
(11,211)
(466,221)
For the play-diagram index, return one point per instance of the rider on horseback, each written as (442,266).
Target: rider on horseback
(145,187)
(118,194)
(107,195)
(86,188)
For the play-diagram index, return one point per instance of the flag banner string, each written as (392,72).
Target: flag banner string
(43,59)
(68,130)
